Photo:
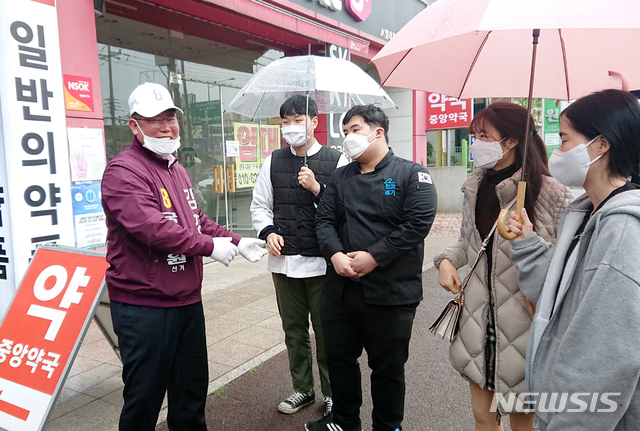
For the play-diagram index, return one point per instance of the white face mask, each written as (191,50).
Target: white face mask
(355,144)
(162,147)
(487,154)
(571,167)
(295,135)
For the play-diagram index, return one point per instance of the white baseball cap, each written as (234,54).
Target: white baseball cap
(150,99)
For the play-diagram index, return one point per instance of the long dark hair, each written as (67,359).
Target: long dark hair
(615,115)
(510,120)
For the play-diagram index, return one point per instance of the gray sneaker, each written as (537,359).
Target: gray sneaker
(295,402)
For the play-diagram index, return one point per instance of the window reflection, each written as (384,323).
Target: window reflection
(199,90)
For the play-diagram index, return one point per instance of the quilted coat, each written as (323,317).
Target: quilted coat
(511,318)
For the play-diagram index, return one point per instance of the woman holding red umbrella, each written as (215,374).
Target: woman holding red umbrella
(489,350)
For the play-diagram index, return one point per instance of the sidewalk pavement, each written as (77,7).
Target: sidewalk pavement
(243,331)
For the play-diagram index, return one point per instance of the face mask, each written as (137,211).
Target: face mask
(295,135)
(487,154)
(355,144)
(162,147)
(570,168)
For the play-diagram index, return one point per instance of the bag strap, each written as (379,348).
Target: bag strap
(483,248)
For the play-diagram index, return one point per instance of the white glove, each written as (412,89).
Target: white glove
(252,249)
(223,250)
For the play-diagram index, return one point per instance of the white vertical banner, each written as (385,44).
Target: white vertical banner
(35,181)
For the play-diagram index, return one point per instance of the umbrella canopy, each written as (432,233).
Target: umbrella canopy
(482,48)
(336,86)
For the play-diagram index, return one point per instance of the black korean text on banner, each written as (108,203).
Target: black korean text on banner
(36,185)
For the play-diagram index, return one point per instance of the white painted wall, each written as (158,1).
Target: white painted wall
(448,181)
(401,122)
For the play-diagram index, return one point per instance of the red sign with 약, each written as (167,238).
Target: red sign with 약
(445,112)
(78,93)
(41,331)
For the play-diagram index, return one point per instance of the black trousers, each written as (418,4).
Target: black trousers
(384,332)
(163,350)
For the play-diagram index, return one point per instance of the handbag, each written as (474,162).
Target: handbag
(448,323)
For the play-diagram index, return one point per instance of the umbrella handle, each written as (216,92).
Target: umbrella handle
(522,185)
(504,213)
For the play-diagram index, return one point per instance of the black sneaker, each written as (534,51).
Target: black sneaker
(295,402)
(326,424)
(328,406)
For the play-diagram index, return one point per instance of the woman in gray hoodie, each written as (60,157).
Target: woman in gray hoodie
(583,355)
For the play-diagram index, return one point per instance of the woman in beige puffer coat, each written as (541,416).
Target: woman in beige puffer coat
(491,344)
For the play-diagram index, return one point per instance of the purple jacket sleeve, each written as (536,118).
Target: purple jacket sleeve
(214,229)
(131,201)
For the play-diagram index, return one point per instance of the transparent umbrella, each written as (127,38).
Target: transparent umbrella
(336,86)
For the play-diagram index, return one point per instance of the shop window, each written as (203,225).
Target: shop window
(223,184)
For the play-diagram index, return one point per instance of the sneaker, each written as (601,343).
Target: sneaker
(326,424)
(328,406)
(295,402)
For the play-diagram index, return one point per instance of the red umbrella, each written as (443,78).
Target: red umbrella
(495,48)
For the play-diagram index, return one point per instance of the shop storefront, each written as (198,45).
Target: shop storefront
(204,52)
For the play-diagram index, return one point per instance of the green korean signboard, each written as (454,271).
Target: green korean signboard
(551,125)
(205,113)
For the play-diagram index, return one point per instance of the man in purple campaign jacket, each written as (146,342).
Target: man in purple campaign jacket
(156,238)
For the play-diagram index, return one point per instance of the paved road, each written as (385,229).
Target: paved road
(437,397)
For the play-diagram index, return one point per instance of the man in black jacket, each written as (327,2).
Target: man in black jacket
(371,225)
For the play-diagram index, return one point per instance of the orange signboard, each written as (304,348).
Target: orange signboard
(78,93)
(42,330)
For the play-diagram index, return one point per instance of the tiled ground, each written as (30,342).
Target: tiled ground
(243,330)
(446,224)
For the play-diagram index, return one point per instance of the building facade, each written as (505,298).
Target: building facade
(204,51)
